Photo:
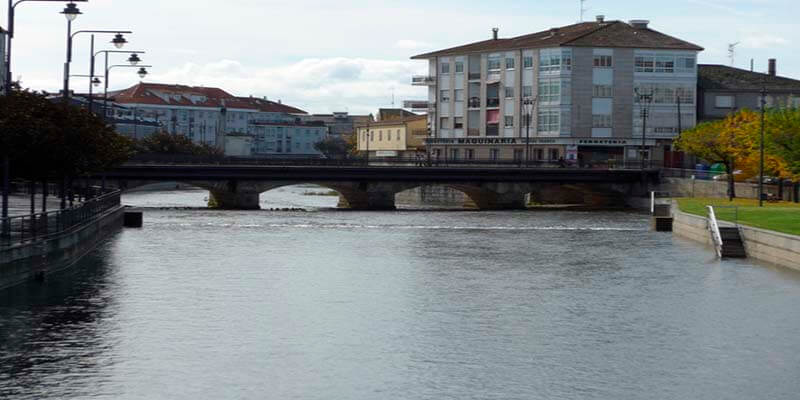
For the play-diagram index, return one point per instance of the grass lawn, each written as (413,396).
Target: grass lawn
(781,216)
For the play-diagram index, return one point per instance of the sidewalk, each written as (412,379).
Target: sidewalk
(20,204)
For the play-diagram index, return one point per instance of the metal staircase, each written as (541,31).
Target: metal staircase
(727,240)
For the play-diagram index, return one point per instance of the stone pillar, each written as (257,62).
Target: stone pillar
(227,200)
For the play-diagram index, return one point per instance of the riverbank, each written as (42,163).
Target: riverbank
(765,245)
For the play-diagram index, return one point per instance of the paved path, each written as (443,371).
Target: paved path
(20,204)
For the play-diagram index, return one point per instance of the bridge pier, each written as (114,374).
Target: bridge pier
(372,201)
(227,200)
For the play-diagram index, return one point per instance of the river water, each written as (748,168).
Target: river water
(327,304)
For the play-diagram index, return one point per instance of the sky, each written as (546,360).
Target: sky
(325,56)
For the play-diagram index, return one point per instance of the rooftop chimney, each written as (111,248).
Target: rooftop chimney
(639,23)
(494,33)
(553,31)
(772,68)
(601,18)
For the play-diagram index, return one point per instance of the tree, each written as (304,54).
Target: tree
(333,147)
(164,143)
(782,132)
(729,141)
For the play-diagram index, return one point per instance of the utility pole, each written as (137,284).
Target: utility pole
(761,161)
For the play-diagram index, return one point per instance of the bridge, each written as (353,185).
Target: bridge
(374,188)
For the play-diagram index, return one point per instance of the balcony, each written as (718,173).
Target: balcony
(474,76)
(492,130)
(423,80)
(493,102)
(473,132)
(417,105)
(474,102)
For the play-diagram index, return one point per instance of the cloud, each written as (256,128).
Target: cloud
(314,84)
(762,41)
(408,44)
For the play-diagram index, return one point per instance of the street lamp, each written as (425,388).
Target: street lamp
(117,38)
(141,72)
(119,41)
(644,101)
(761,161)
(368,137)
(528,104)
(133,60)
(7,89)
(71,12)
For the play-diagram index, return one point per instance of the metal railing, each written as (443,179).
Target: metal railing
(40,226)
(423,80)
(713,226)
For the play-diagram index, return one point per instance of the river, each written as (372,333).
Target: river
(326,304)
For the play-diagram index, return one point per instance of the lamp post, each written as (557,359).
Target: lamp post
(134,60)
(142,72)
(118,41)
(528,104)
(368,136)
(761,160)
(644,101)
(12,5)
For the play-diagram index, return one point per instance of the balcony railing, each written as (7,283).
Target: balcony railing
(493,102)
(474,76)
(474,102)
(423,80)
(418,105)
(492,130)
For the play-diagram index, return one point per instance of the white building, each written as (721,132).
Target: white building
(583,82)
(207,115)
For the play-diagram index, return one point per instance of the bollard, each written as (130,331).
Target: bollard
(132,219)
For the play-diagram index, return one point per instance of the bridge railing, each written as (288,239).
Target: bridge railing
(404,161)
(41,226)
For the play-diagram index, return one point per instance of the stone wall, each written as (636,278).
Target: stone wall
(432,195)
(772,247)
(686,187)
(24,262)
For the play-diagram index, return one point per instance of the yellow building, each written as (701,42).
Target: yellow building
(400,138)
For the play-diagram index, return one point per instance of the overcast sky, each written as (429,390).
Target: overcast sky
(325,56)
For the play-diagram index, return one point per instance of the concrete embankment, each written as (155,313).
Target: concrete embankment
(772,247)
(28,261)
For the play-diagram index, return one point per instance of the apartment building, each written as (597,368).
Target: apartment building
(723,90)
(585,87)
(204,114)
(394,137)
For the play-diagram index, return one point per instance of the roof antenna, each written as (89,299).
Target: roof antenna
(732,51)
(583,9)
(392,96)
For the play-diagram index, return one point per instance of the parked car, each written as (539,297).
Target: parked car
(768,180)
(738,176)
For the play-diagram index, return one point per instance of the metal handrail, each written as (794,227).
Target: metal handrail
(42,226)
(713,226)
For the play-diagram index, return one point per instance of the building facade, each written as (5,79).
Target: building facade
(401,138)
(207,115)
(723,90)
(340,124)
(585,87)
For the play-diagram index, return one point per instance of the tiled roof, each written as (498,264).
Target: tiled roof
(584,34)
(195,96)
(722,77)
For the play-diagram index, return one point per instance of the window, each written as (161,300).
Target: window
(509,91)
(554,60)
(517,154)
(371,136)
(454,154)
(398,135)
(444,123)
(602,62)
(539,154)
(685,64)
(644,63)
(458,122)
(509,121)
(602,91)
(601,120)
(470,153)
(527,62)
(723,101)
(459,67)
(445,95)
(665,64)
(509,62)
(445,68)
(549,120)
(527,91)
(494,154)
(380,136)
(459,94)
(554,154)
(549,91)
(493,63)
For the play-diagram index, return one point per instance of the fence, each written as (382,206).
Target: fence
(39,226)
